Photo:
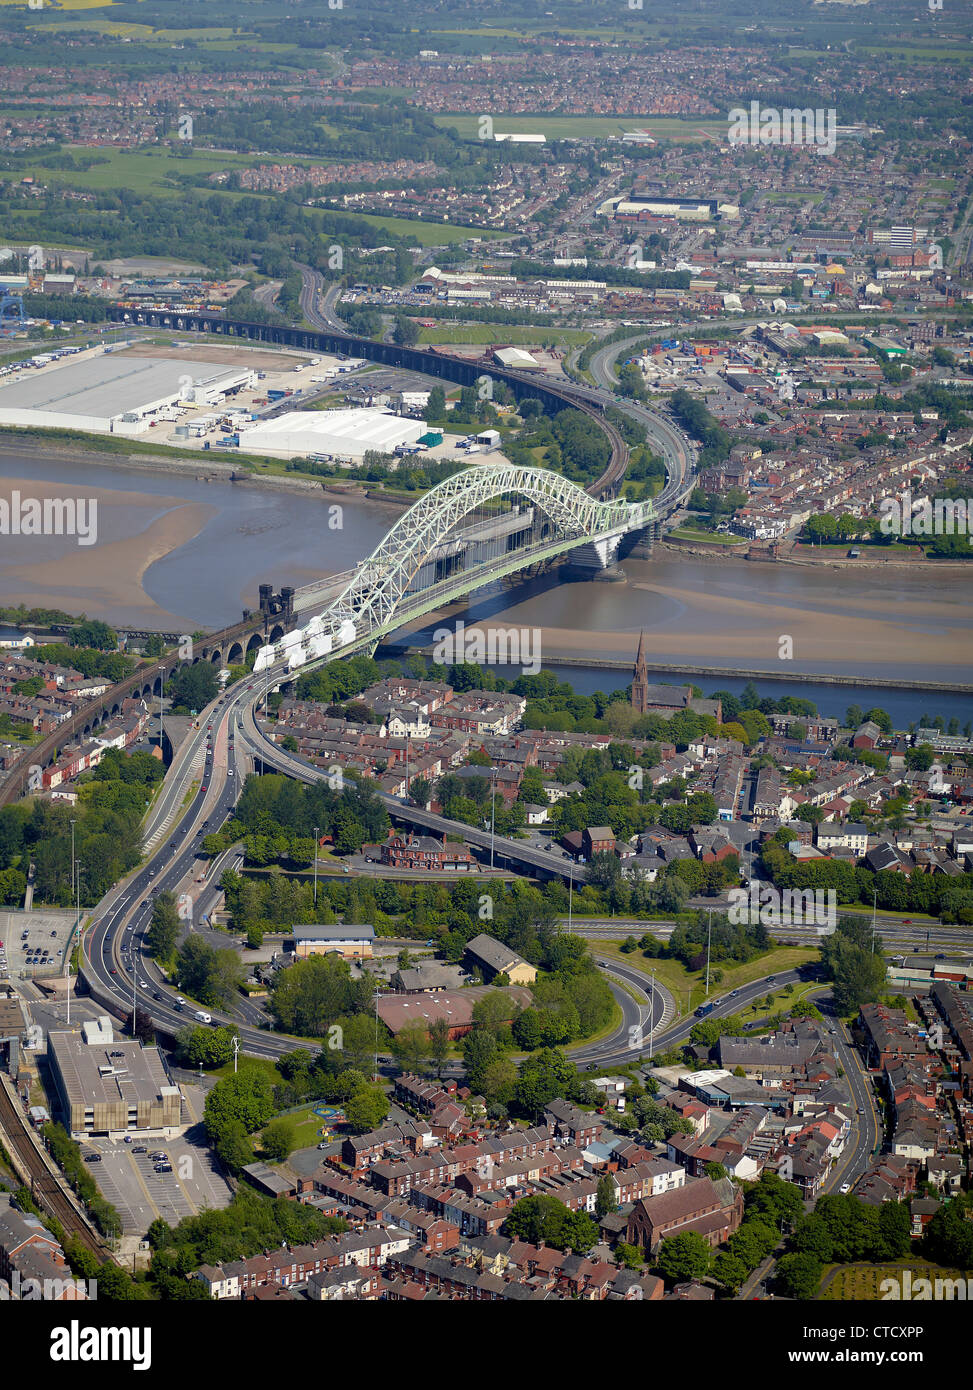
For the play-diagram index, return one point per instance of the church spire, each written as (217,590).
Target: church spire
(640,683)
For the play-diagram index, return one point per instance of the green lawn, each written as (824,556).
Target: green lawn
(598,127)
(690,533)
(862,1282)
(688,988)
(503,333)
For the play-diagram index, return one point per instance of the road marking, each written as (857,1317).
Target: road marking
(141,1181)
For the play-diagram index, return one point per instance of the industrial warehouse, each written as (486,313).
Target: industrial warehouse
(111,392)
(345,434)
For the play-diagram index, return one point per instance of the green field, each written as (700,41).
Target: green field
(689,533)
(862,1283)
(503,333)
(598,127)
(926,55)
(143,171)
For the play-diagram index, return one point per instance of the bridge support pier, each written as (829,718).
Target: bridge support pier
(594,560)
(643,542)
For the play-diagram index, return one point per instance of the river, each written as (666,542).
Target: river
(176,551)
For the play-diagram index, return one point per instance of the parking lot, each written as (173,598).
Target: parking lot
(127,1178)
(46,931)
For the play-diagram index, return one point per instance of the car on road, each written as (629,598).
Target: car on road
(845,1187)
(861,1109)
(179,999)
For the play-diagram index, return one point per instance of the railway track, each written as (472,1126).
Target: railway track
(44,1187)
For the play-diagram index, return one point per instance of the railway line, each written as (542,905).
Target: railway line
(45,1189)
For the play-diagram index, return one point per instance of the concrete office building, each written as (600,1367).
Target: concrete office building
(112,1090)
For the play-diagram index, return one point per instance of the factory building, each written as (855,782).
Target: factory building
(115,392)
(342,434)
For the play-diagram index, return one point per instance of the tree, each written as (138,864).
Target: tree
(278,1139)
(93,633)
(684,1256)
(164,927)
(205,1047)
(731,1272)
(406,332)
(629,1256)
(439,1044)
(420,789)
(798,1276)
(545,1218)
(606,1200)
(367,1109)
(246,1097)
(411,1047)
(857,973)
(144,1028)
(193,687)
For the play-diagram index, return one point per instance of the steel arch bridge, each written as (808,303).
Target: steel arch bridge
(374,600)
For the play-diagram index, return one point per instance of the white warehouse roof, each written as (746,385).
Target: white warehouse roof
(514,357)
(347,433)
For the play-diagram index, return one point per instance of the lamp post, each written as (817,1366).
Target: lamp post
(493,812)
(652,1015)
(70,946)
(709,940)
(162,730)
(315,866)
(874,909)
(570,892)
(375,998)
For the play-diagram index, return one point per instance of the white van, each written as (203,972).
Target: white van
(201,1017)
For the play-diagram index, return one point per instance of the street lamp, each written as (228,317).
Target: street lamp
(493,811)
(315,866)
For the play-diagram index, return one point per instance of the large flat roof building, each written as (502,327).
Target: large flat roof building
(344,434)
(97,393)
(112,1090)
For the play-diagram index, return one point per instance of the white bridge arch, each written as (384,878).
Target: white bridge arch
(366,608)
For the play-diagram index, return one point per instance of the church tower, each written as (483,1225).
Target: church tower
(640,682)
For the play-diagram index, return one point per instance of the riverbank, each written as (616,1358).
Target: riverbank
(597,663)
(202,468)
(716,551)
